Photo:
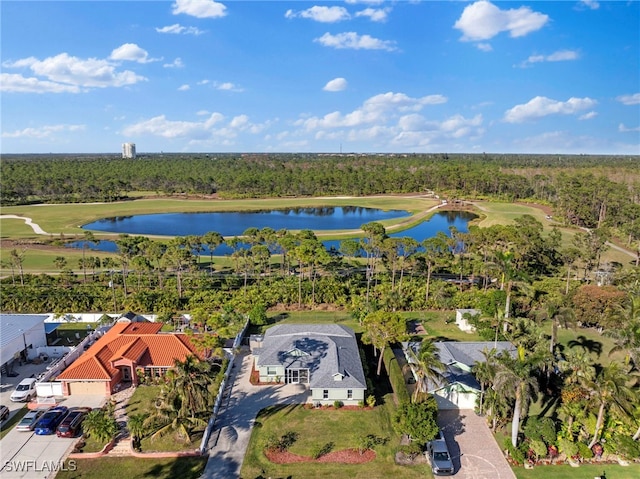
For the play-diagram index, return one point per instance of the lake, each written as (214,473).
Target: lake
(235,223)
(343,218)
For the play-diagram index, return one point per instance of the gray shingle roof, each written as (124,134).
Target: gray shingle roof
(325,349)
(467,353)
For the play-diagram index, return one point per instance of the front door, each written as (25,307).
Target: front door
(126,374)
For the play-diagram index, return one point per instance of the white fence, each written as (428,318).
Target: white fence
(61,358)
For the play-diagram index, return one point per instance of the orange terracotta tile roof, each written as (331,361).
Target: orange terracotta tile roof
(140,343)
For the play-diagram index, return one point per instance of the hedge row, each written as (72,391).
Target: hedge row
(396,378)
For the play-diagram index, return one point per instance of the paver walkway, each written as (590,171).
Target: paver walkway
(474,451)
(230,438)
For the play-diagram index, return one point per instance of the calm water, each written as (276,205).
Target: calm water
(441,221)
(233,223)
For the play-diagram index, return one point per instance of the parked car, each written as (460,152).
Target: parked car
(29,420)
(70,425)
(4,412)
(24,391)
(49,421)
(439,457)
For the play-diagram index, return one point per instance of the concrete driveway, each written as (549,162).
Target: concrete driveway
(230,438)
(474,451)
(23,454)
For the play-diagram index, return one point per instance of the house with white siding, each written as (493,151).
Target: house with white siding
(323,356)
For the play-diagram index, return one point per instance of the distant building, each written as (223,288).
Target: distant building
(128,150)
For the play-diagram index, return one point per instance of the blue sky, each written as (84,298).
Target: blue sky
(352,76)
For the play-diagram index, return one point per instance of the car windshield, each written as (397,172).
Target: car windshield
(22,387)
(63,428)
(441,456)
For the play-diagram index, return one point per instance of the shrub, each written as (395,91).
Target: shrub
(584,451)
(371,400)
(396,378)
(411,450)
(337,404)
(318,451)
(624,446)
(568,447)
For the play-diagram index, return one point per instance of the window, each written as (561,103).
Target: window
(272,370)
(325,394)
(349,393)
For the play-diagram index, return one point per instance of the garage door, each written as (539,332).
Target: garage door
(87,388)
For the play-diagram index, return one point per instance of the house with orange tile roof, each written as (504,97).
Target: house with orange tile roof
(121,354)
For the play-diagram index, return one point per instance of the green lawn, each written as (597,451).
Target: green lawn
(13,422)
(315,428)
(585,471)
(134,468)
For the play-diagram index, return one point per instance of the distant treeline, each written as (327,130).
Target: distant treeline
(587,191)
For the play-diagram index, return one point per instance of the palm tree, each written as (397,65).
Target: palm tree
(610,389)
(426,365)
(626,334)
(185,401)
(515,379)
(485,372)
(101,424)
(559,316)
(136,427)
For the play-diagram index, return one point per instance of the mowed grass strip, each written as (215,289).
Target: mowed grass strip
(133,468)
(316,428)
(611,471)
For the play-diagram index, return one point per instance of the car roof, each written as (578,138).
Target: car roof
(27,381)
(440,446)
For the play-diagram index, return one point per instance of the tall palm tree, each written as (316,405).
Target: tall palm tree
(515,379)
(426,365)
(559,316)
(485,372)
(610,390)
(626,334)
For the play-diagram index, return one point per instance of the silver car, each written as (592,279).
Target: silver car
(28,422)
(439,457)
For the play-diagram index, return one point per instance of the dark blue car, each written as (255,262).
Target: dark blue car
(49,421)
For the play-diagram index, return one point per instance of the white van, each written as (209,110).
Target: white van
(24,391)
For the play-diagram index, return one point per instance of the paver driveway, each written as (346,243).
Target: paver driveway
(230,438)
(474,451)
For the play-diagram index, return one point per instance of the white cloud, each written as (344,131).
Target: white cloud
(484,47)
(633,99)
(177,29)
(625,129)
(184,87)
(337,84)
(42,132)
(366,2)
(558,56)
(199,8)
(321,14)
(354,41)
(482,20)
(375,14)
(591,4)
(541,106)
(227,86)
(377,109)
(15,83)
(74,71)
(588,116)
(177,63)
(212,127)
(131,52)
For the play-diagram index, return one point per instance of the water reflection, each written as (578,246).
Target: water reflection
(442,221)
